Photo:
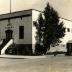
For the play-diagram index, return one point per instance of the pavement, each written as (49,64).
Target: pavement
(51,63)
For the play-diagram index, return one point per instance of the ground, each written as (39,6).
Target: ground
(51,63)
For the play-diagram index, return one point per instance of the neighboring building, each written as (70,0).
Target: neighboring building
(66,38)
(17,33)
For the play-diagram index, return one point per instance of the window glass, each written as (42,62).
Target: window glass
(68,29)
(21,32)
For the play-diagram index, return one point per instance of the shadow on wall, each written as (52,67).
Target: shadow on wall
(19,49)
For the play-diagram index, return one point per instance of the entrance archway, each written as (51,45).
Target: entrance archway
(9,34)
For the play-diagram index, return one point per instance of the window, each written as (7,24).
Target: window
(21,32)
(68,29)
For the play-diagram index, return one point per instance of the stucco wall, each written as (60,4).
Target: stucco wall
(68,35)
(35,15)
(3,25)
(27,23)
(16,22)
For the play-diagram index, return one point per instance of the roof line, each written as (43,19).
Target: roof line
(21,11)
(66,19)
(35,10)
(15,12)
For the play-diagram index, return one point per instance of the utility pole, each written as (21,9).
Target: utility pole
(9,25)
(10,6)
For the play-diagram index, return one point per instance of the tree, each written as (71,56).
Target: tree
(39,35)
(49,30)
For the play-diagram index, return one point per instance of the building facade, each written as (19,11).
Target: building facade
(19,27)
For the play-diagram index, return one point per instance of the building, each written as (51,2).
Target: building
(67,38)
(17,33)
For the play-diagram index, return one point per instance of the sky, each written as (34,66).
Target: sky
(63,7)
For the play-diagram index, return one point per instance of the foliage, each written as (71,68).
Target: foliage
(49,30)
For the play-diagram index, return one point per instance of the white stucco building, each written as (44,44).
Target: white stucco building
(17,28)
(66,38)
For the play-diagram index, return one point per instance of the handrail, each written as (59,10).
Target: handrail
(6,46)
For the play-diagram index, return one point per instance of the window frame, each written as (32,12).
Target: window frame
(21,32)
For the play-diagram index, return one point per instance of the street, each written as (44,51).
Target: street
(60,63)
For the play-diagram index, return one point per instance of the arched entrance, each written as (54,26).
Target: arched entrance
(9,34)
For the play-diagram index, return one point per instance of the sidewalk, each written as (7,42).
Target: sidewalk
(21,57)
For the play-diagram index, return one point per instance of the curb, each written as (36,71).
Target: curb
(21,57)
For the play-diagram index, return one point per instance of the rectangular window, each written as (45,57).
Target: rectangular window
(21,32)
(68,29)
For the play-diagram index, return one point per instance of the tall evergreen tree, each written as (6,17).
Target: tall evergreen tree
(49,30)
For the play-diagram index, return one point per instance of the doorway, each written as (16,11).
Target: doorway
(9,34)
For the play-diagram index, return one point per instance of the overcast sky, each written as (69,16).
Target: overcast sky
(64,7)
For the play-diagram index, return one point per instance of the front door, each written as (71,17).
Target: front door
(9,34)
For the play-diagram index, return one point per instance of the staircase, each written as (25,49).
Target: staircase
(5,44)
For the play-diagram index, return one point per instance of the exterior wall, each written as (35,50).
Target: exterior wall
(16,22)
(3,25)
(35,15)
(22,18)
(27,23)
(68,35)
